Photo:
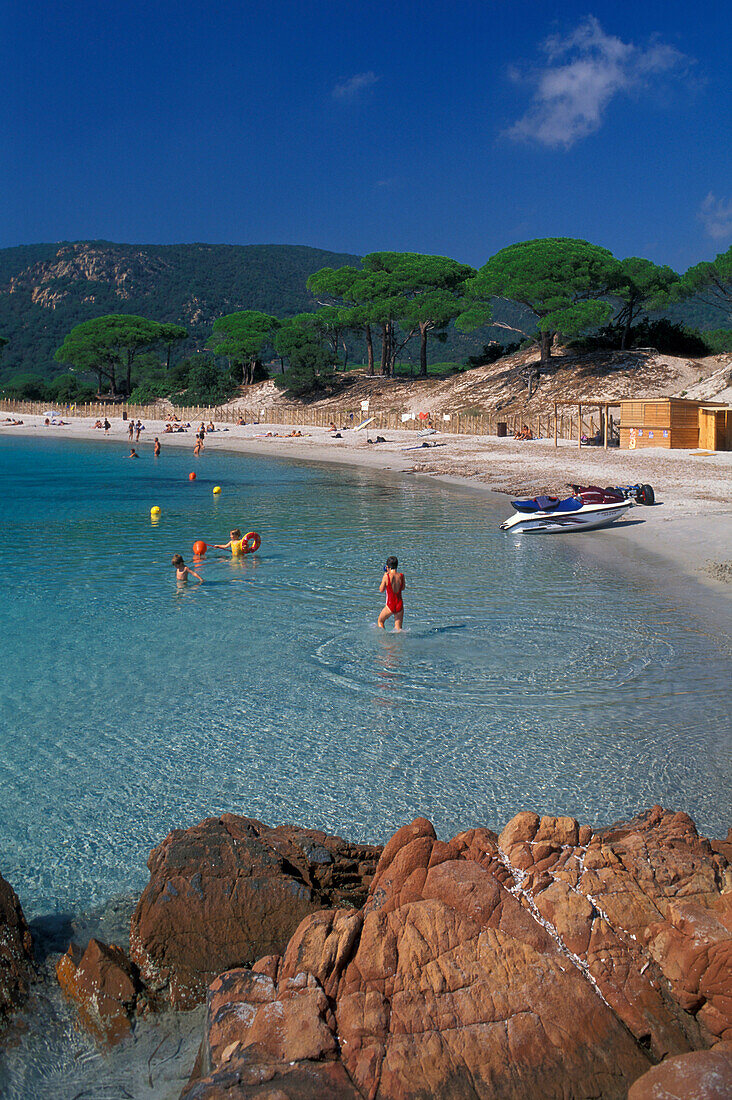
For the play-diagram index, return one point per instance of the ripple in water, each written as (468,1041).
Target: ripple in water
(528,675)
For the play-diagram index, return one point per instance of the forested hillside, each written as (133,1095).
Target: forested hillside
(46,289)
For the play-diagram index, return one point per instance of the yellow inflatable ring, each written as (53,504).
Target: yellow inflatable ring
(255,540)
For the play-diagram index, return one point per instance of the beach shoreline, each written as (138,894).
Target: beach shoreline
(687,534)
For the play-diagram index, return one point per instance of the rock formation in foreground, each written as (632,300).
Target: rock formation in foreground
(16,953)
(549,961)
(231,889)
(104,986)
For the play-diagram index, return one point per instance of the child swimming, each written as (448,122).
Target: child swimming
(182,572)
(235,544)
(392,584)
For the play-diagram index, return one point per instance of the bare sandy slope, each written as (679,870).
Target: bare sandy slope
(690,528)
(502,385)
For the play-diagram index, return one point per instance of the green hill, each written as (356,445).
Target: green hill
(46,289)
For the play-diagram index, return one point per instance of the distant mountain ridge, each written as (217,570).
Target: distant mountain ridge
(46,289)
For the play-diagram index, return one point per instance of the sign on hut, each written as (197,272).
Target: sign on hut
(674,422)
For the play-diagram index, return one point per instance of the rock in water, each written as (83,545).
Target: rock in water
(104,986)
(230,890)
(16,953)
(703,1075)
(550,961)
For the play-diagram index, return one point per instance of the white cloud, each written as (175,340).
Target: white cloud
(585,70)
(716,217)
(349,89)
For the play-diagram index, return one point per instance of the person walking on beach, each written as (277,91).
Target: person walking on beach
(131,430)
(182,572)
(107,426)
(392,584)
(138,429)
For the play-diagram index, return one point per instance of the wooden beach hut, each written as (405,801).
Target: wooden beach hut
(674,422)
(715,428)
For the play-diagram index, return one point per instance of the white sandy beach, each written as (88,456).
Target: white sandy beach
(689,528)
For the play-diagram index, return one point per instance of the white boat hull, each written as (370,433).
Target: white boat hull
(586,518)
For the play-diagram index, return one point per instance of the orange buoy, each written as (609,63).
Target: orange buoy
(199,548)
(254,538)
(192,476)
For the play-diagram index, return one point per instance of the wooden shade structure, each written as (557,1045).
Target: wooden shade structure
(604,404)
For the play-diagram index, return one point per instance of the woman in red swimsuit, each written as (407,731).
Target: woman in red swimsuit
(392,585)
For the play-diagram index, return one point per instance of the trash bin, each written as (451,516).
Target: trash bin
(502,428)
(124,415)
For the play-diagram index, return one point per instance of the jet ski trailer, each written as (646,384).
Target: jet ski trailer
(589,509)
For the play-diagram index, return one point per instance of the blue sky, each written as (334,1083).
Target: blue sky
(445,127)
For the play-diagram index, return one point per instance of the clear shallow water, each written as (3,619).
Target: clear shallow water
(530,676)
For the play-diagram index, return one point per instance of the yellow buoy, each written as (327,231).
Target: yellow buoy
(155,510)
(217,488)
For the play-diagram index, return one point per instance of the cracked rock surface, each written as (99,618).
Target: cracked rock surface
(547,961)
(231,889)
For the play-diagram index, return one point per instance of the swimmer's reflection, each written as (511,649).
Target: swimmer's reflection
(389,663)
(240,563)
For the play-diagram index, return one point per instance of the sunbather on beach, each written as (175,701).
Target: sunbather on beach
(392,584)
(182,572)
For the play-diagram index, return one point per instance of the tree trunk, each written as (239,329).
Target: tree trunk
(546,347)
(422,349)
(385,349)
(112,381)
(130,357)
(626,330)
(345,353)
(370,349)
(167,361)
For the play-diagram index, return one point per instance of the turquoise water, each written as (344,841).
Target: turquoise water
(530,676)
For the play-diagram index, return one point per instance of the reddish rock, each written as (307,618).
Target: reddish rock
(16,953)
(103,985)
(693,948)
(549,961)
(703,1075)
(230,890)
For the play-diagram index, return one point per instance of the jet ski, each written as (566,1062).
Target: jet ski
(590,507)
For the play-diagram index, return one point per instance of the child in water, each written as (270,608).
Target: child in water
(392,584)
(182,572)
(235,544)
